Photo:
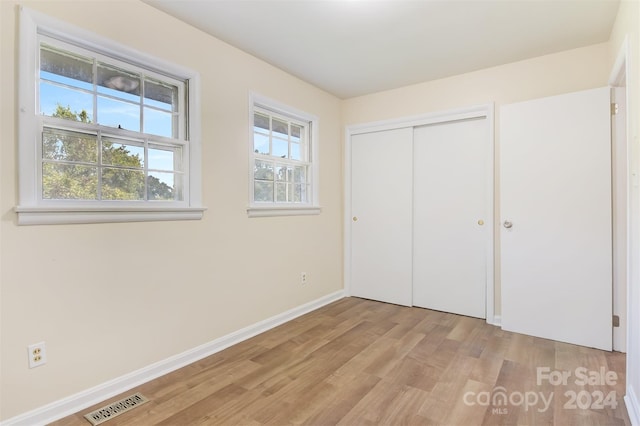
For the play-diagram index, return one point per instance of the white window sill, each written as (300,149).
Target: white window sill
(269,211)
(69,215)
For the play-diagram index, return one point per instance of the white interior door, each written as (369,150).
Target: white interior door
(556,245)
(381,207)
(450,215)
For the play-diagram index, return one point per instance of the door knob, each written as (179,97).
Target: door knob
(480,222)
(355,218)
(507,224)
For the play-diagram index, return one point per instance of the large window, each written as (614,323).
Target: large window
(108,136)
(283,161)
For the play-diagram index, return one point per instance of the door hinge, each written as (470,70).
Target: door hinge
(614,108)
(616,321)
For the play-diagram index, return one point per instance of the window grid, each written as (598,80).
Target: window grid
(92,126)
(270,186)
(100,164)
(145,77)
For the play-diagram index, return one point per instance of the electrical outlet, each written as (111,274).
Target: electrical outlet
(37,355)
(303,278)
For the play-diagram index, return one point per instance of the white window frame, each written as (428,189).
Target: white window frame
(312,207)
(32,209)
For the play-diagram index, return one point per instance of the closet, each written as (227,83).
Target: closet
(420,224)
(421,212)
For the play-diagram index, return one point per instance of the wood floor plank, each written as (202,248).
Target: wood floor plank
(402,409)
(449,388)
(373,406)
(200,410)
(468,407)
(411,372)
(428,346)
(395,349)
(433,410)
(347,392)
(361,362)
(486,370)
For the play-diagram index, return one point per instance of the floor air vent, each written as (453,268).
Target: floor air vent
(103,414)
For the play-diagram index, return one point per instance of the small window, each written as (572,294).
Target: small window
(283,163)
(108,131)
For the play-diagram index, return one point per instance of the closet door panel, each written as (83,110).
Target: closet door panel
(451,238)
(381,207)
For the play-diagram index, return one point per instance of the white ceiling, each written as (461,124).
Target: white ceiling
(355,47)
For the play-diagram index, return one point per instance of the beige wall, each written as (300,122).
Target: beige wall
(549,75)
(112,298)
(544,76)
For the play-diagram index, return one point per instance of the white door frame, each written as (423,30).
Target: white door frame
(477,111)
(620,78)
(621,259)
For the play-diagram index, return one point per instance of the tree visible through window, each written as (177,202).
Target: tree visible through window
(71,170)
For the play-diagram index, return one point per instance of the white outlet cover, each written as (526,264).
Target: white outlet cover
(31,356)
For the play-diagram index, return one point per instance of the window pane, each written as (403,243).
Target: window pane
(300,193)
(161,186)
(66,68)
(118,114)
(63,102)
(280,148)
(69,182)
(284,173)
(118,153)
(116,82)
(160,95)
(295,151)
(263,170)
(300,174)
(163,158)
(280,128)
(282,192)
(263,191)
(69,146)
(261,121)
(122,184)
(296,131)
(159,123)
(260,143)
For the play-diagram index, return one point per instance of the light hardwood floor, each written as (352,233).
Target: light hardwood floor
(360,362)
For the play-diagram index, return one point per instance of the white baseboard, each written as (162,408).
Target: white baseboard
(633,406)
(74,403)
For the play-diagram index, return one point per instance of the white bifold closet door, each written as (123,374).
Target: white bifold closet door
(450,240)
(556,213)
(381,200)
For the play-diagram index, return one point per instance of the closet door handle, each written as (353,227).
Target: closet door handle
(355,218)
(507,224)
